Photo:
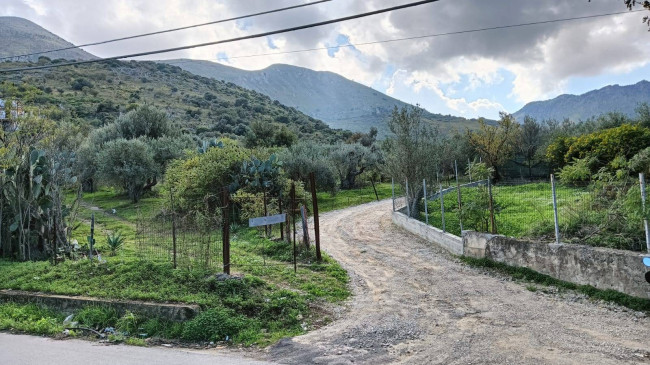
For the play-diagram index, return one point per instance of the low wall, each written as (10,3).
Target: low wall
(172,312)
(602,268)
(450,242)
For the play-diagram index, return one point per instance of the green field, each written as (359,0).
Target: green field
(347,198)
(270,302)
(520,210)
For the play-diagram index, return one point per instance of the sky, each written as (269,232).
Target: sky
(471,75)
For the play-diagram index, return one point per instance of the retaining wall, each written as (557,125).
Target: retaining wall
(450,242)
(602,268)
(172,312)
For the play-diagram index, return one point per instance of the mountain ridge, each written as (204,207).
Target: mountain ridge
(22,36)
(357,107)
(611,98)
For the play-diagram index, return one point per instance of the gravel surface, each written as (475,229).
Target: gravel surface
(413,303)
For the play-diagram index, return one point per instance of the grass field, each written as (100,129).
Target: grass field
(270,302)
(520,210)
(347,198)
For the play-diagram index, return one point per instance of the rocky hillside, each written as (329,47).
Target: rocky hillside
(97,93)
(339,102)
(21,36)
(613,98)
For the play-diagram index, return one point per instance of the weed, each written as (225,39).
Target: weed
(115,242)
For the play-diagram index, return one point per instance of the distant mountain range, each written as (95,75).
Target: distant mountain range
(20,36)
(339,102)
(613,98)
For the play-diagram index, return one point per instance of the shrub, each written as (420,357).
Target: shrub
(214,325)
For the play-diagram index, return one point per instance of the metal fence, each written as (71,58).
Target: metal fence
(610,215)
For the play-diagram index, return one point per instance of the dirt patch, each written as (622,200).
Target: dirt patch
(413,303)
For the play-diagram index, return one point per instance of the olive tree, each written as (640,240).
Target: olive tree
(412,153)
(128,164)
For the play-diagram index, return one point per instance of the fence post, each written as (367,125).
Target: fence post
(557,224)
(645,219)
(442,209)
(281,224)
(426,207)
(314,198)
(493,222)
(460,204)
(91,239)
(293,220)
(171,198)
(226,231)
(392,185)
(408,206)
(469,170)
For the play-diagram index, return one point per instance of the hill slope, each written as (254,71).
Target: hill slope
(97,93)
(613,98)
(21,36)
(339,102)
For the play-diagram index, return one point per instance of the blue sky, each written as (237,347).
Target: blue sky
(471,75)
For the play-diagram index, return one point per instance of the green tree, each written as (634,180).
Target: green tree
(352,160)
(495,144)
(412,153)
(128,164)
(529,142)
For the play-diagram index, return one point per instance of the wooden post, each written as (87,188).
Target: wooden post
(91,239)
(174,247)
(226,230)
(293,219)
(281,224)
(312,180)
(555,215)
(372,181)
(460,200)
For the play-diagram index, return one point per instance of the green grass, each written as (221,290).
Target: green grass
(270,302)
(520,211)
(530,276)
(347,198)
(29,318)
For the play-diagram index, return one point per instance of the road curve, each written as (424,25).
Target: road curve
(415,304)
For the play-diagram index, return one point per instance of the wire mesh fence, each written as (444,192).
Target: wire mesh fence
(607,215)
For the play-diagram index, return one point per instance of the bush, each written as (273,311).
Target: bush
(128,165)
(214,325)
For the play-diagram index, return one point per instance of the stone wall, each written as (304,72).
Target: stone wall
(602,268)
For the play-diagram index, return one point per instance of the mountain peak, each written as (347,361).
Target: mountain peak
(22,36)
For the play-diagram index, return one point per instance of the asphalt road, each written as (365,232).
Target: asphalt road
(31,350)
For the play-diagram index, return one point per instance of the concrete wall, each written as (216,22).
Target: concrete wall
(450,242)
(173,312)
(602,268)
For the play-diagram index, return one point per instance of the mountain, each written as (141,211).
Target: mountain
(613,98)
(21,36)
(327,96)
(90,95)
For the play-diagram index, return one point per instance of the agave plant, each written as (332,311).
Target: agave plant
(115,242)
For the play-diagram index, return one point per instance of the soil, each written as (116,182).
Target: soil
(414,303)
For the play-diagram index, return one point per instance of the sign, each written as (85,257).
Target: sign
(265,221)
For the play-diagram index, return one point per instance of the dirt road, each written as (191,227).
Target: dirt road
(415,304)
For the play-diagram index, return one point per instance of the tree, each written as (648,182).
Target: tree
(529,142)
(128,164)
(632,3)
(145,122)
(495,144)
(350,161)
(302,158)
(412,153)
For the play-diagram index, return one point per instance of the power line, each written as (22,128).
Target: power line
(167,30)
(349,45)
(259,35)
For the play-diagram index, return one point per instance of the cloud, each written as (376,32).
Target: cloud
(541,58)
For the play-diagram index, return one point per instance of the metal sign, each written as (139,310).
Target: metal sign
(266,221)
(646,261)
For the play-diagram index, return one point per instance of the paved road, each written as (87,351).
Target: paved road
(415,304)
(30,350)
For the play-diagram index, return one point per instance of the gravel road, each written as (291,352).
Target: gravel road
(413,303)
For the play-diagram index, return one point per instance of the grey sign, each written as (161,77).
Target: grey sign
(265,221)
